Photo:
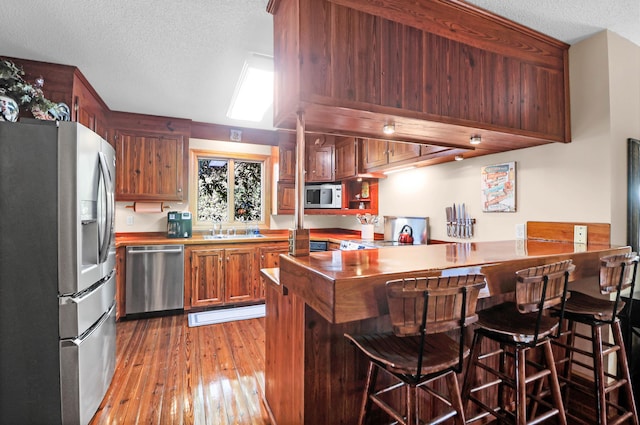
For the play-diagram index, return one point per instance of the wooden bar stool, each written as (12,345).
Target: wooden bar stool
(617,273)
(517,327)
(420,350)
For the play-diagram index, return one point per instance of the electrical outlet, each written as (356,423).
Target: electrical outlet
(129,220)
(580,234)
(520,231)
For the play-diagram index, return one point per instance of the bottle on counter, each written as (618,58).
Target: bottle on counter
(364,191)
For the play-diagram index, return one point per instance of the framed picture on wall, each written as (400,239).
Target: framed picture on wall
(499,187)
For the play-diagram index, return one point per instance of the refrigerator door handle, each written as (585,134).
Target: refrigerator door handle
(132,250)
(80,296)
(110,207)
(80,339)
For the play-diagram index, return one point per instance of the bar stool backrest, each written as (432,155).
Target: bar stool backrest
(450,303)
(428,305)
(618,272)
(541,287)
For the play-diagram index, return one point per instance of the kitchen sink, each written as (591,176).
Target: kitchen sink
(214,237)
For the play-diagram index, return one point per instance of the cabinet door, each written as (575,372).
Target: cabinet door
(239,274)
(286,198)
(427,150)
(346,158)
(399,151)
(207,277)
(287,162)
(320,160)
(150,167)
(374,153)
(269,258)
(88,108)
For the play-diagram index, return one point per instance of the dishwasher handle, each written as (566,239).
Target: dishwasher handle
(133,250)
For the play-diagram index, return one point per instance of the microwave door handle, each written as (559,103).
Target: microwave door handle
(109,219)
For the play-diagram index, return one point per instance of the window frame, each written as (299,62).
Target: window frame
(196,154)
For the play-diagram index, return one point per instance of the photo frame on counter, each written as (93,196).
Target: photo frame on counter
(498,187)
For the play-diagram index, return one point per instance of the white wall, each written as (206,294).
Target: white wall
(584,180)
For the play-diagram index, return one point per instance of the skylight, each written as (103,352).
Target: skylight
(254,91)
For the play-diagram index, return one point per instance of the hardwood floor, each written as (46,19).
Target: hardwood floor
(168,373)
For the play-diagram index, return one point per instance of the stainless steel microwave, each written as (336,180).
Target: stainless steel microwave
(323,196)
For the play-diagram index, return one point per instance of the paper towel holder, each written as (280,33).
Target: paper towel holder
(136,205)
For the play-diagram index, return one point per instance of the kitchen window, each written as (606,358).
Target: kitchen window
(229,189)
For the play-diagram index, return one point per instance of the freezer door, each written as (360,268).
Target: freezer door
(80,311)
(86,369)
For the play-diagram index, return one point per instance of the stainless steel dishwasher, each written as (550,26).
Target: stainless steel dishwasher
(154,278)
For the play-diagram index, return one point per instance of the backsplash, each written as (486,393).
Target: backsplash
(157,222)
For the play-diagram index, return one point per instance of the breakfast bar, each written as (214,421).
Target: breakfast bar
(312,374)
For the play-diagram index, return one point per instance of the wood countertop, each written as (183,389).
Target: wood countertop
(349,285)
(160,238)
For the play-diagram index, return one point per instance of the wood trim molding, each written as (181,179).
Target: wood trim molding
(201,130)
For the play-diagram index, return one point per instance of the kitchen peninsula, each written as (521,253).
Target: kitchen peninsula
(312,374)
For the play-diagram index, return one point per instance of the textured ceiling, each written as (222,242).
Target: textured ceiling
(183,58)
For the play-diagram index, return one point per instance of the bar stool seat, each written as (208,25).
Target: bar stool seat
(617,273)
(420,350)
(493,387)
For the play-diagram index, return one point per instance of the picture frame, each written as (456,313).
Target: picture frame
(498,187)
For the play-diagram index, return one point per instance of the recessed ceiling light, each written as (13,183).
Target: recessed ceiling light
(475,140)
(389,128)
(458,157)
(254,91)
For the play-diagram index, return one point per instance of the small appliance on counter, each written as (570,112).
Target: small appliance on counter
(323,196)
(406,230)
(179,224)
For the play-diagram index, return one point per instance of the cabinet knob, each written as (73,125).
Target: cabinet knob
(179,189)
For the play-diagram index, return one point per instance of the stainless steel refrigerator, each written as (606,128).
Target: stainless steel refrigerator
(57,279)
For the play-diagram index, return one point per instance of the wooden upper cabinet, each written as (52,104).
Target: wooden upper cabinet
(152,157)
(287,161)
(399,151)
(375,153)
(150,167)
(320,156)
(66,84)
(286,197)
(346,157)
(441,71)
(88,108)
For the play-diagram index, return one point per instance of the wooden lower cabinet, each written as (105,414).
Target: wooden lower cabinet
(207,277)
(224,275)
(269,258)
(240,270)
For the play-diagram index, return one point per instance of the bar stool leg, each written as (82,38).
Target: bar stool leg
(472,361)
(598,373)
(521,386)
(624,367)
(372,375)
(554,383)
(456,399)
(411,405)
